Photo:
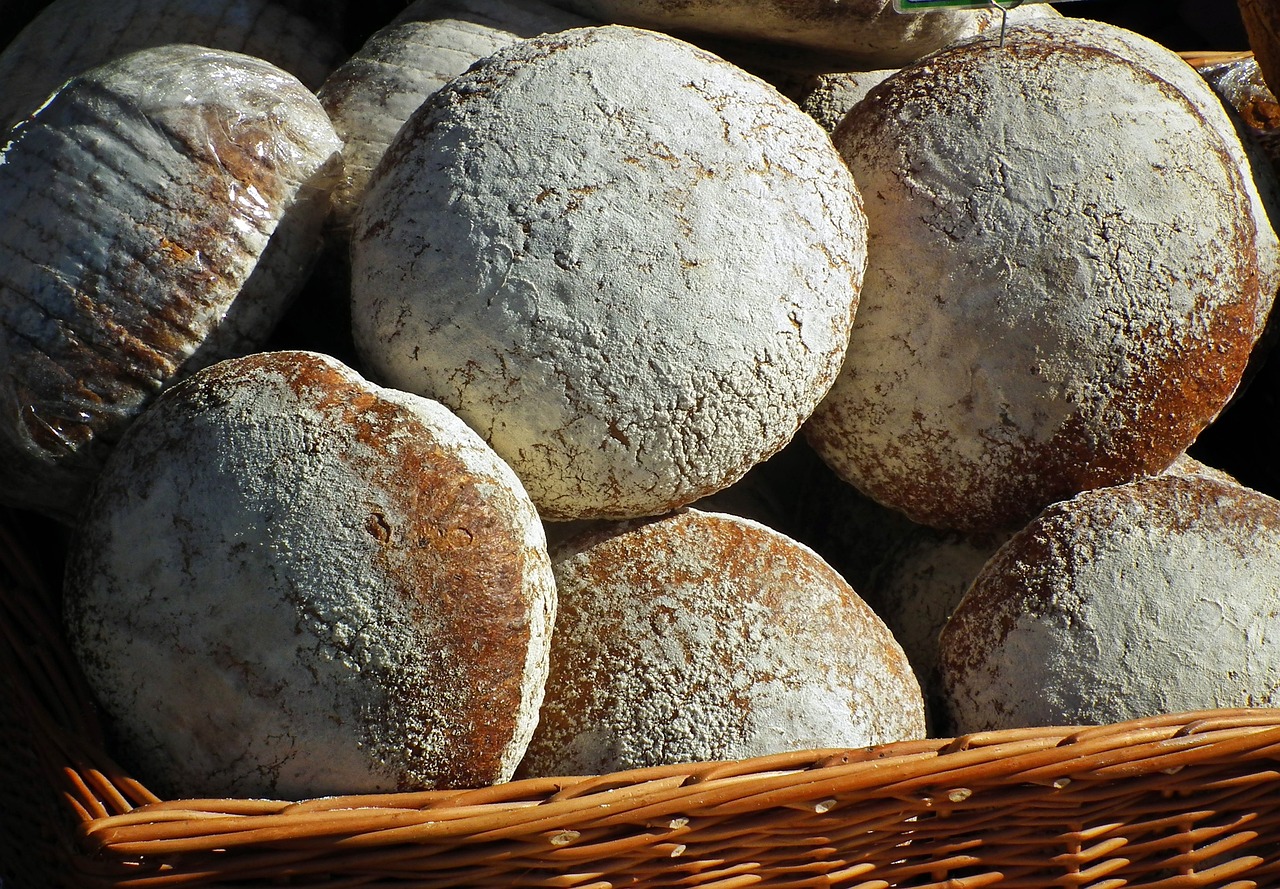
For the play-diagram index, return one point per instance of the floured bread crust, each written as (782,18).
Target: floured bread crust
(290,582)
(834,34)
(703,636)
(69,37)
(372,94)
(1068,267)
(1157,596)
(158,214)
(635,301)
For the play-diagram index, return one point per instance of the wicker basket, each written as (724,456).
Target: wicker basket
(1186,800)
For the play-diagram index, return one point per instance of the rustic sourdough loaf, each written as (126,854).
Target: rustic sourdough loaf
(290,582)
(640,296)
(1155,596)
(699,636)
(1068,266)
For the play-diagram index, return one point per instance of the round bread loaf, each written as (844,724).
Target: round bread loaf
(1068,268)
(290,582)
(701,636)
(588,297)
(372,94)
(69,37)
(156,215)
(829,34)
(1152,597)
(917,584)
(925,574)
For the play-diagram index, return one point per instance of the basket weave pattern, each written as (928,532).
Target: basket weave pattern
(1171,802)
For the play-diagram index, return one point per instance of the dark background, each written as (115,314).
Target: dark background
(1181,25)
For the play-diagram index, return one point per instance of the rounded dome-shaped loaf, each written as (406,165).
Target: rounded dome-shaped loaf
(290,582)
(917,585)
(372,94)
(156,215)
(1152,597)
(1068,267)
(829,97)
(834,34)
(628,264)
(69,37)
(701,636)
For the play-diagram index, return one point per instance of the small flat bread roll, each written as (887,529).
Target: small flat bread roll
(290,582)
(702,636)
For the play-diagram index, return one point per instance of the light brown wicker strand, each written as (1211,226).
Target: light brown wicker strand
(636,812)
(1179,801)
(1165,777)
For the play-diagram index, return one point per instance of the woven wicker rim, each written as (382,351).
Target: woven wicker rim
(1170,802)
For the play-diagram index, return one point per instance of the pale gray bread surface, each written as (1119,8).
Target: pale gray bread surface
(72,36)
(918,583)
(372,94)
(556,247)
(702,636)
(1069,264)
(156,215)
(1157,596)
(631,266)
(829,97)
(291,582)
(830,34)
(925,574)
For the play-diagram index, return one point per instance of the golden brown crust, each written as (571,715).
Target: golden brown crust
(1093,351)
(705,636)
(384,593)
(444,550)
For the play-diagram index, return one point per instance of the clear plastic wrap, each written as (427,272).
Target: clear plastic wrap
(69,37)
(157,214)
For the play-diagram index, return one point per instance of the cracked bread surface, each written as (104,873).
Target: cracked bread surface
(629,265)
